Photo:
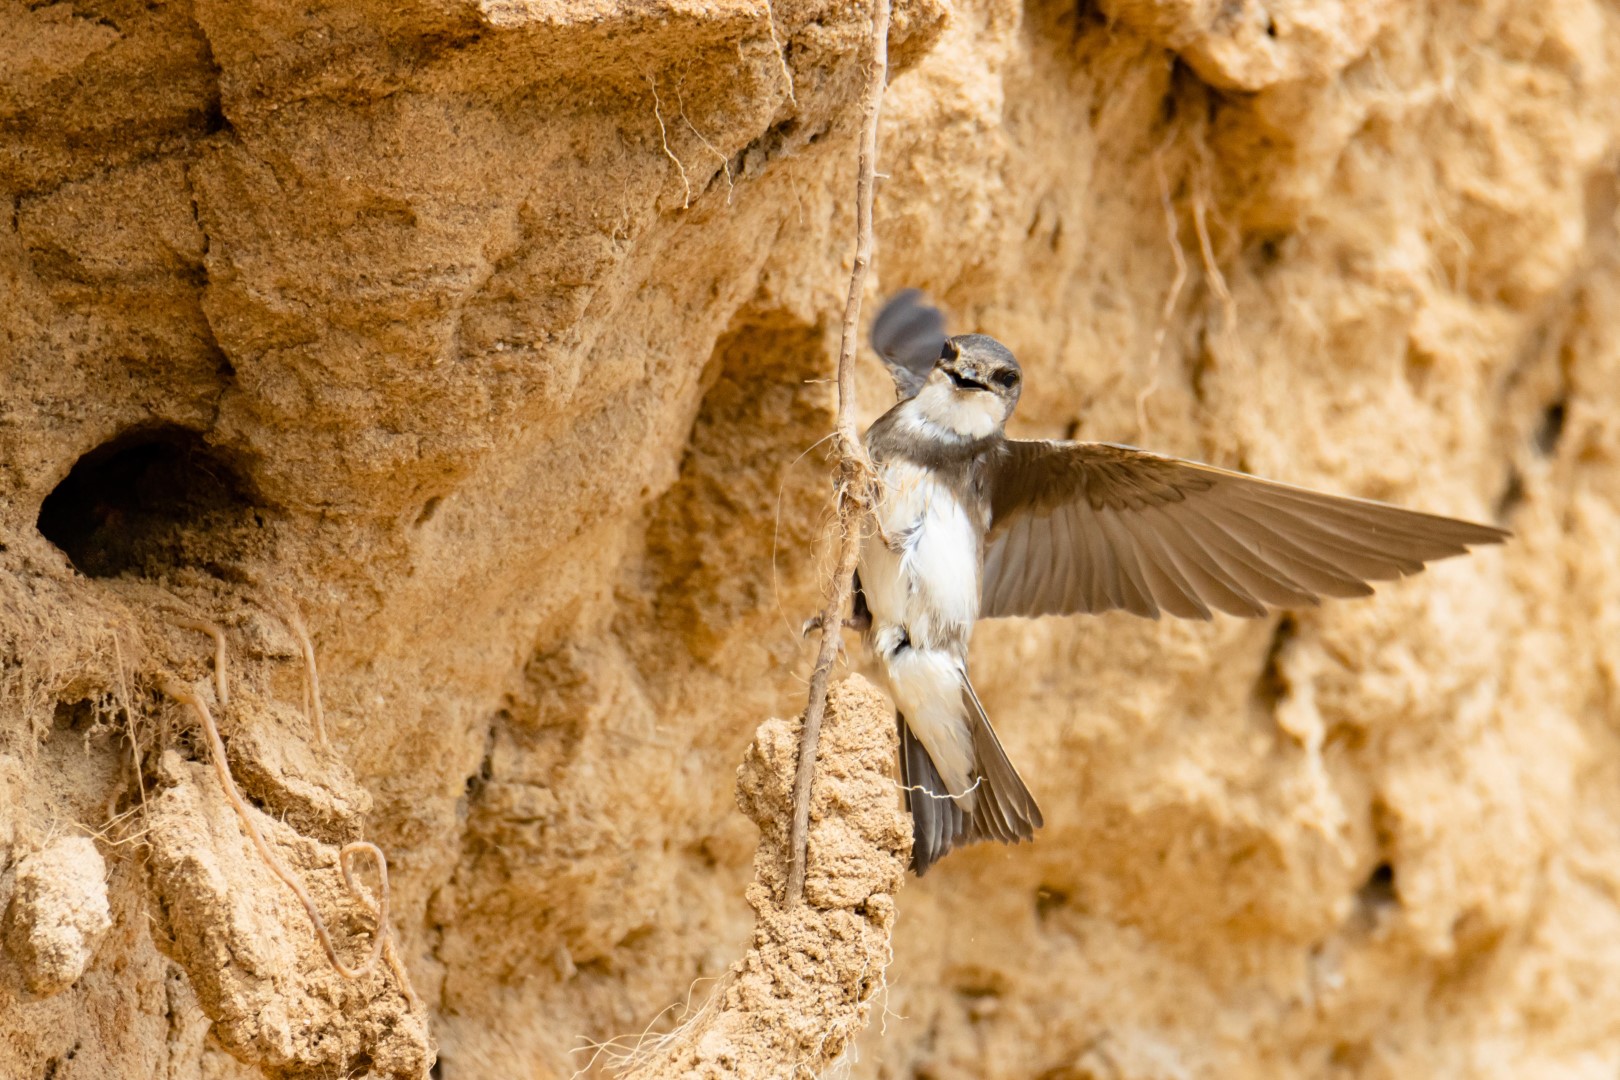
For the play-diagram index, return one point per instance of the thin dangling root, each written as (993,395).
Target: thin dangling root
(312,679)
(856,491)
(186,696)
(222,690)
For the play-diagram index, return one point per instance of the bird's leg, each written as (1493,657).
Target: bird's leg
(860,619)
(860,615)
(816,622)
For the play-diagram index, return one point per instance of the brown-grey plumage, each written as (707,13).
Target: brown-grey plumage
(1007,812)
(974,525)
(1090,527)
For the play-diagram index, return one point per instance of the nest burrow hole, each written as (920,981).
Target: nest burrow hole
(143,501)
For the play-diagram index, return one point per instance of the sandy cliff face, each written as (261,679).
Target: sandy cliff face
(488,341)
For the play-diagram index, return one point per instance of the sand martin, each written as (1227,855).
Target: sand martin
(973,525)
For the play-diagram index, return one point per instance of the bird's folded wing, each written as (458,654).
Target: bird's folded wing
(909,335)
(1090,527)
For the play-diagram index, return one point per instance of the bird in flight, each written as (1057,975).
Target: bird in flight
(970,525)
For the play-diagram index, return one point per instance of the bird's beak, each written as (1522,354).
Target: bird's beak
(965,380)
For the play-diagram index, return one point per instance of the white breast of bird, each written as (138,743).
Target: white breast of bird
(921,570)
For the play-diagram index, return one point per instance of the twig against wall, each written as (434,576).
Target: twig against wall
(856,479)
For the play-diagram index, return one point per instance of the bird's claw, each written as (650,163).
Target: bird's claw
(816,622)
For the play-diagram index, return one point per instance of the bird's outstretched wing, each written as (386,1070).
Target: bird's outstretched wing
(910,336)
(1087,527)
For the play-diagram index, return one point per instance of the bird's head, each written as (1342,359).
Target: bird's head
(973,387)
(962,387)
(976,364)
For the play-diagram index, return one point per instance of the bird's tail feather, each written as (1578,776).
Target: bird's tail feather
(1004,809)
(937,823)
(1001,808)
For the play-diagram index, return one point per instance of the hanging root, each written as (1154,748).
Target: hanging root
(216,746)
(631,1051)
(131,726)
(856,477)
(725,162)
(312,679)
(1171,298)
(222,690)
(1206,248)
(1217,280)
(781,51)
(186,696)
(663,135)
(385,929)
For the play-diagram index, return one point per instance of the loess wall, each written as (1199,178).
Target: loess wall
(491,342)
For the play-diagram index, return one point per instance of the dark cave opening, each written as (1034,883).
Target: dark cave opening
(138,502)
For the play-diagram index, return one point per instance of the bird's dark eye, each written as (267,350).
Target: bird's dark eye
(951,352)
(1005,379)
